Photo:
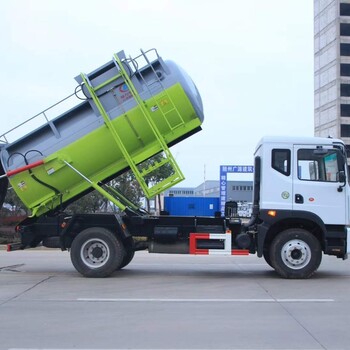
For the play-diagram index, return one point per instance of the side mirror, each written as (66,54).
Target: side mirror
(341,178)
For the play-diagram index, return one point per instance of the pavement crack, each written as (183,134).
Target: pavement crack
(301,325)
(11,268)
(290,314)
(26,290)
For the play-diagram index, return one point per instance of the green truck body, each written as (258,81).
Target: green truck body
(130,114)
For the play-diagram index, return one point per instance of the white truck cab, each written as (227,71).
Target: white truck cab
(303,202)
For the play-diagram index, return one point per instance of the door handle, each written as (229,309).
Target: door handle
(299,198)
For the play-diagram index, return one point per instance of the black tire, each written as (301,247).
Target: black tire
(266,255)
(127,259)
(129,252)
(295,253)
(97,252)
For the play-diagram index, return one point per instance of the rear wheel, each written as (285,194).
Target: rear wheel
(97,252)
(295,253)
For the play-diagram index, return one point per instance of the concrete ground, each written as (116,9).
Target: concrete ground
(171,302)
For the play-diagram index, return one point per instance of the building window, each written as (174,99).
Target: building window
(345,29)
(345,110)
(344,89)
(344,49)
(347,147)
(345,70)
(344,9)
(345,130)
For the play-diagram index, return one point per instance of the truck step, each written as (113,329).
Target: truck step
(222,244)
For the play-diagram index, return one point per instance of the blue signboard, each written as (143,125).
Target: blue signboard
(224,170)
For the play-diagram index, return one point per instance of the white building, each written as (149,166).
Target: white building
(239,191)
(332,69)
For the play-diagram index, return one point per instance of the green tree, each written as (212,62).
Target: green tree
(90,203)
(128,186)
(94,202)
(18,208)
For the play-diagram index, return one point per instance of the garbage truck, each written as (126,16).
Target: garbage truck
(131,110)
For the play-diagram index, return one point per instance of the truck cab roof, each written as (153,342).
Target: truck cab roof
(292,140)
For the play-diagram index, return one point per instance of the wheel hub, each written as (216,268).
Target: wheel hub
(296,254)
(97,252)
(94,253)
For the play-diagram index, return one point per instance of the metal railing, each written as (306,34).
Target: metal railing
(5,137)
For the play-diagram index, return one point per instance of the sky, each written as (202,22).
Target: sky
(252,62)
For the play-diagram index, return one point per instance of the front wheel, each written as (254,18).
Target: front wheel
(97,252)
(295,253)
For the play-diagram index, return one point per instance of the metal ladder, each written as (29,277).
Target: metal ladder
(140,174)
(164,102)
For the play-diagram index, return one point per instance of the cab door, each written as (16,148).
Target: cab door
(319,184)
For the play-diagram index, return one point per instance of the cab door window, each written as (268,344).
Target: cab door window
(319,164)
(280,161)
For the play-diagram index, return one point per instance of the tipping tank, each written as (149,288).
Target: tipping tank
(132,109)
